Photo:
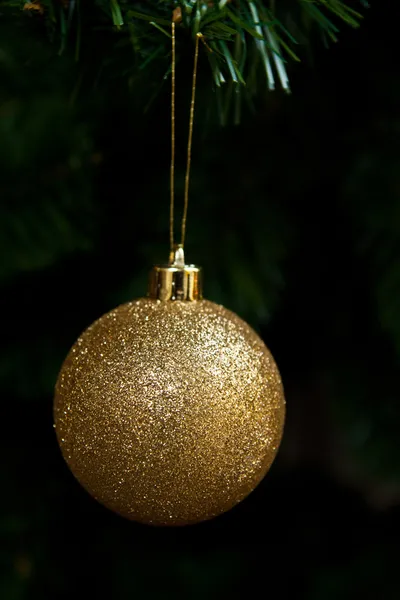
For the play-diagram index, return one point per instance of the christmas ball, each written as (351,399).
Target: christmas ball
(169,409)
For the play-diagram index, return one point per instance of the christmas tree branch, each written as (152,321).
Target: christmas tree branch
(273,29)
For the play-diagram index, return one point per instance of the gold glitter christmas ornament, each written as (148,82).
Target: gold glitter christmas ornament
(169,410)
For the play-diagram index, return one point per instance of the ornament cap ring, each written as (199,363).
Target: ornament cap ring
(176,281)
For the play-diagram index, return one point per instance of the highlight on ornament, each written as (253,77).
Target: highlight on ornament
(169,409)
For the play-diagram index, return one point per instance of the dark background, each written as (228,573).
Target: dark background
(295,217)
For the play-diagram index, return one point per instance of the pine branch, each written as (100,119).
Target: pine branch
(231,29)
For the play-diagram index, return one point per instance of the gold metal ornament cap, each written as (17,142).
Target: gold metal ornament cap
(176,281)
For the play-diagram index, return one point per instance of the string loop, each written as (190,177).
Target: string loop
(189,146)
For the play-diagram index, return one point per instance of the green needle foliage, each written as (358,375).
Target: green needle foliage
(240,36)
(295,217)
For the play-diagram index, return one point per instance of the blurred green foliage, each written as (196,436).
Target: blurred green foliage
(295,218)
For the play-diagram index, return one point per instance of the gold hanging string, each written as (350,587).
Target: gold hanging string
(189,147)
(172,170)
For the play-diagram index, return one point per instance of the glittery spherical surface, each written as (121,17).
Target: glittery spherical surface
(169,412)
